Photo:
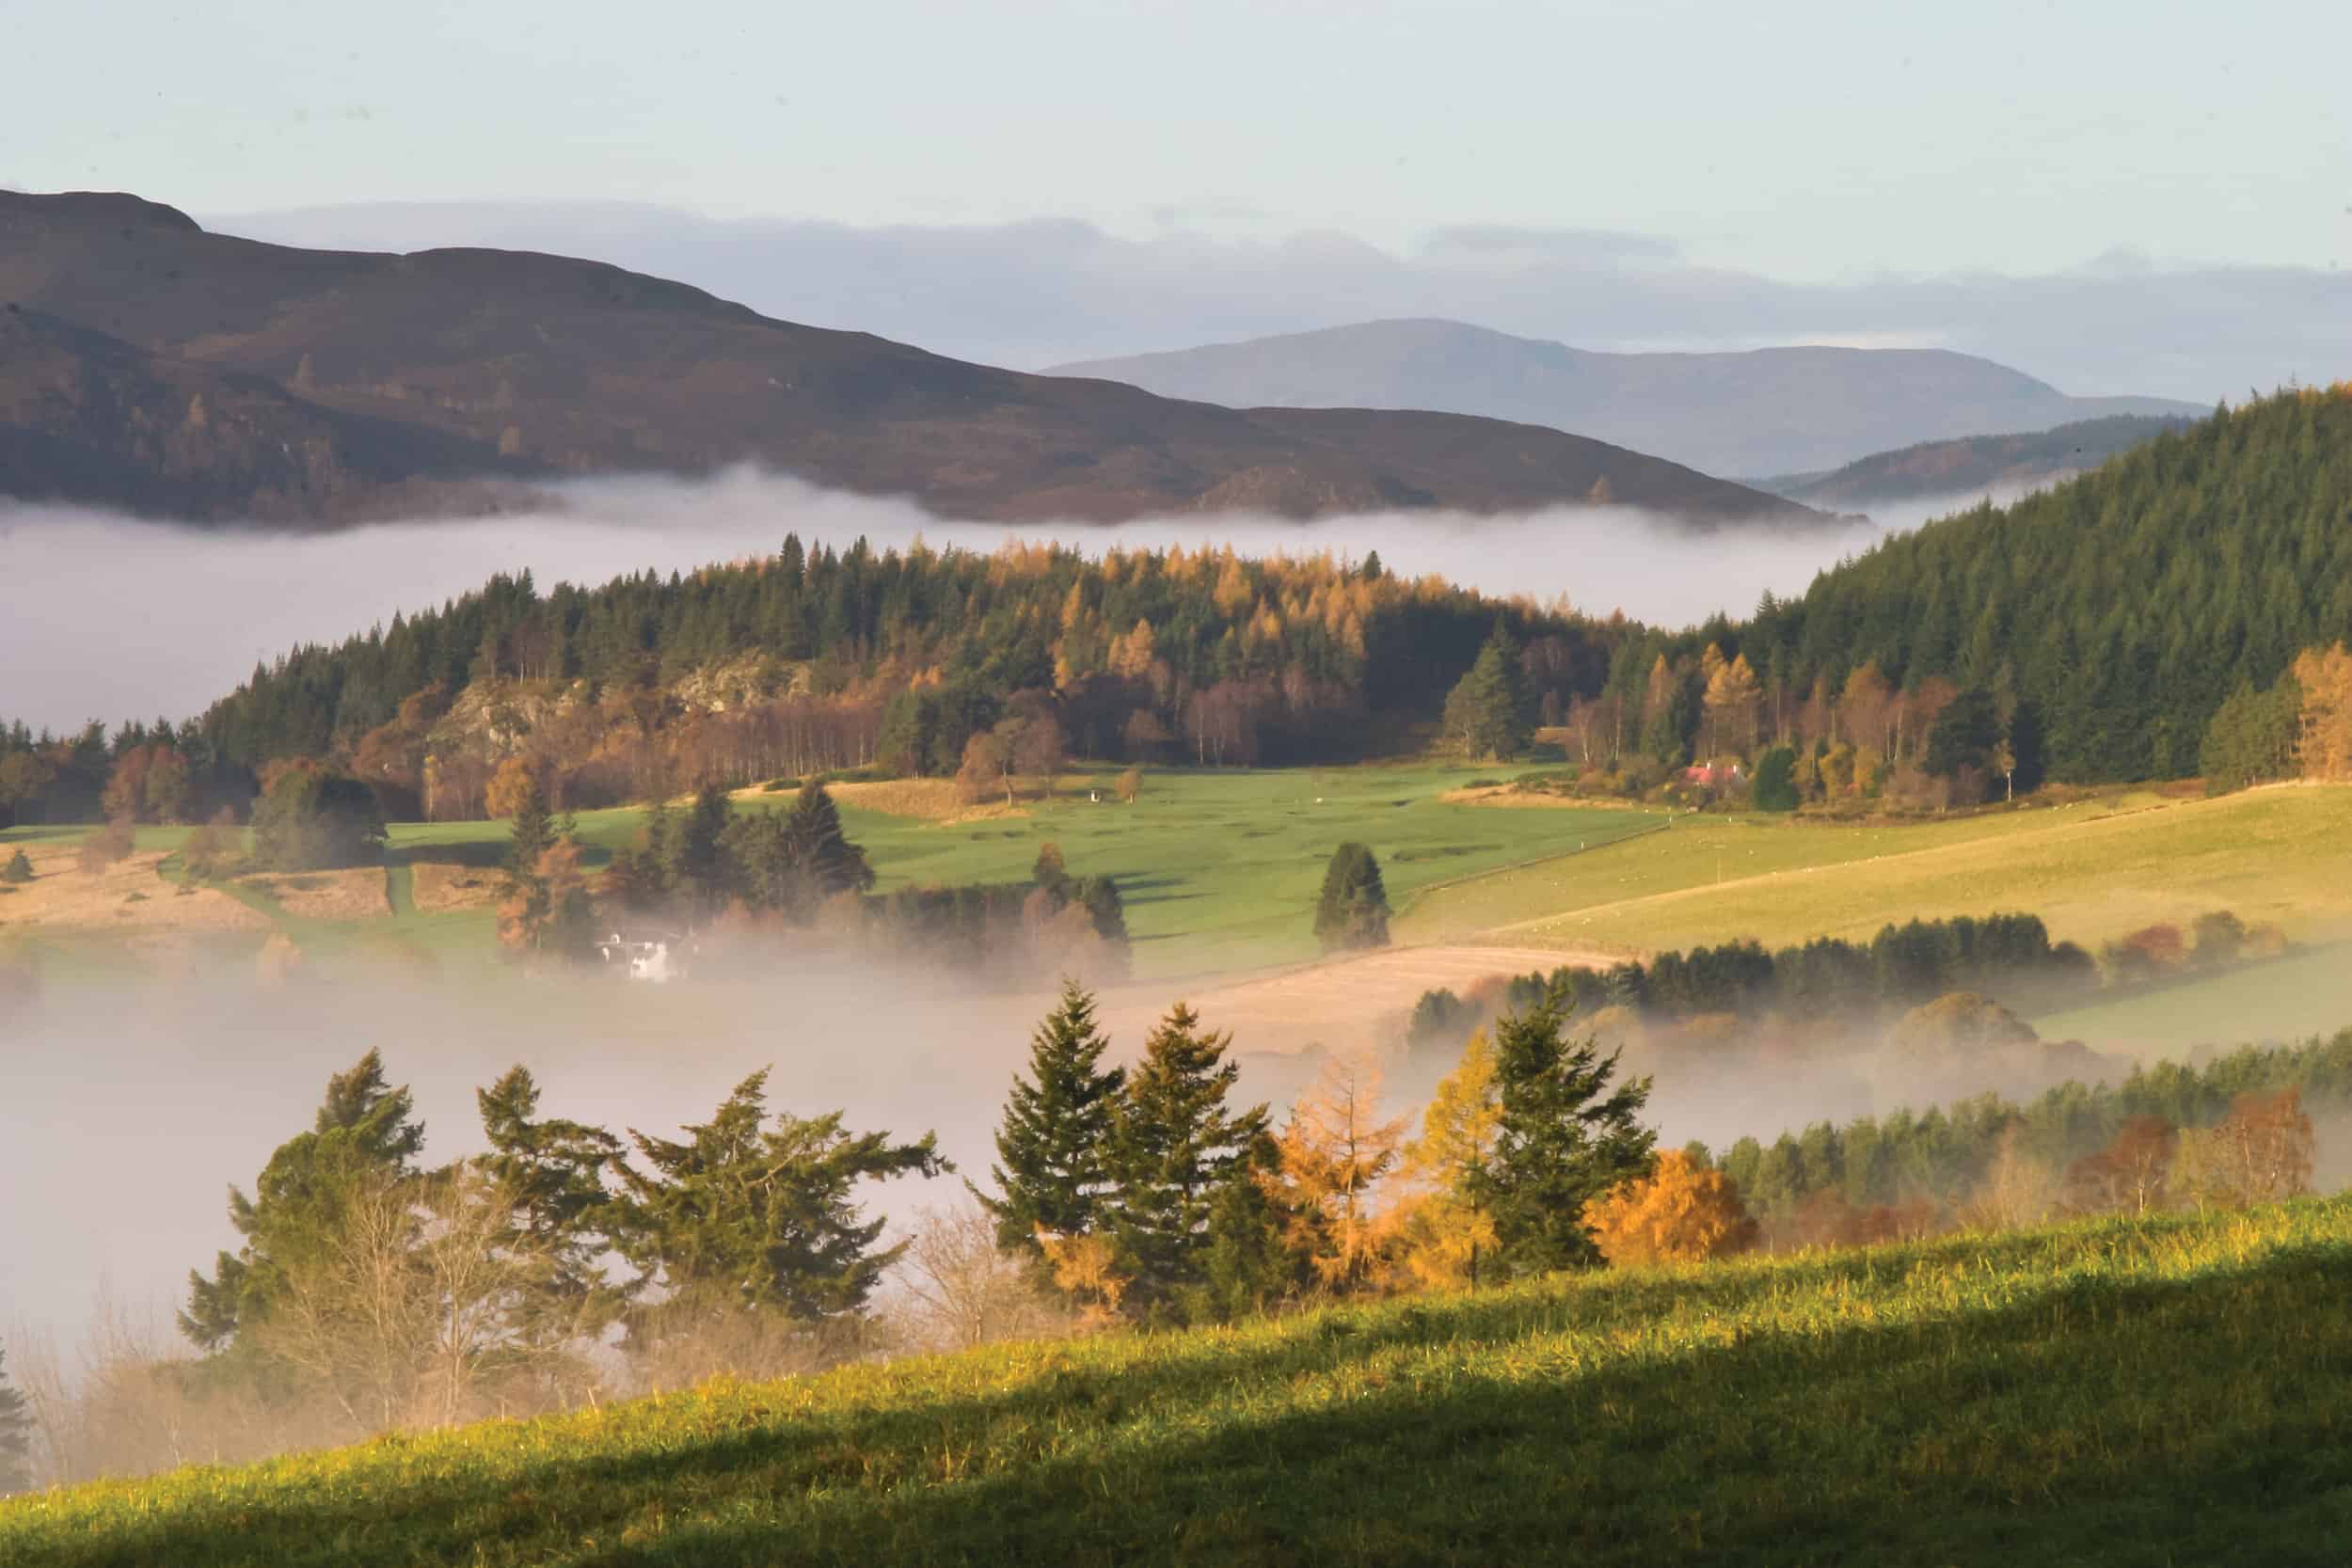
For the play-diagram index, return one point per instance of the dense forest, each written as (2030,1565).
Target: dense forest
(2122,608)
(2144,621)
(816,658)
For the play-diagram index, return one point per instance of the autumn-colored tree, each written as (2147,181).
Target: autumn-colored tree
(987,767)
(2261,1152)
(2130,1175)
(1332,1154)
(2323,746)
(1086,1268)
(105,846)
(1732,690)
(1679,1214)
(511,787)
(2017,1189)
(1445,1224)
(1130,785)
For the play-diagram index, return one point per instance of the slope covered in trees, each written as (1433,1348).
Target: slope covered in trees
(815,659)
(2120,609)
(1973,465)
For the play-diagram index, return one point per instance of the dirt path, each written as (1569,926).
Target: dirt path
(1339,1003)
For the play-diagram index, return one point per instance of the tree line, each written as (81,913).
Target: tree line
(2009,958)
(816,658)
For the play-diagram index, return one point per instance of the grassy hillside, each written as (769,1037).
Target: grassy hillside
(2091,871)
(1219,870)
(2164,1391)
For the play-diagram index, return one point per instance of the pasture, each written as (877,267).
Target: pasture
(2112,1392)
(1219,870)
(2092,873)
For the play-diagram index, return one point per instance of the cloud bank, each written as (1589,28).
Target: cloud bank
(117,619)
(1048,292)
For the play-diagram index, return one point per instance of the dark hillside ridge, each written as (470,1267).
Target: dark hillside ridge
(1770,410)
(393,375)
(1974,464)
(2121,608)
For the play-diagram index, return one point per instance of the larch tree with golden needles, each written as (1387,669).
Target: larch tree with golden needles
(1446,1229)
(1332,1154)
(1680,1212)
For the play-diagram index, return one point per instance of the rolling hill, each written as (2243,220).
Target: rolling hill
(2004,465)
(359,375)
(2076,1394)
(1773,410)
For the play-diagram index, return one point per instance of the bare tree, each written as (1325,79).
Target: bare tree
(966,1290)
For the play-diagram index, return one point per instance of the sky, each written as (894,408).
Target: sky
(1810,142)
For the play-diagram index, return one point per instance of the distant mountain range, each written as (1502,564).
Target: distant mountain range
(150,365)
(1772,410)
(2004,467)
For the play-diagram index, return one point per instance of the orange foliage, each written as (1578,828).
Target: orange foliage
(1679,1214)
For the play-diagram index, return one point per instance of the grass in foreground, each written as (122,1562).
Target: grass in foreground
(2273,855)
(2175,1390)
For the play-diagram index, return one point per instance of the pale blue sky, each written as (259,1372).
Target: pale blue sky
(1823,141)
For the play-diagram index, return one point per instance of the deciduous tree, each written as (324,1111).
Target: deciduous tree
(1679,1214)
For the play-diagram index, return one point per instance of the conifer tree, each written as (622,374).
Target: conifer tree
(1352,910)
(1449,1226)
(1052,1147)
(1486,713)
(1247,1267)
(742,1215)
(16,1435)
(701,871)
(533,831)
(819,852)
(1174,1142)
(551,1173)
(366,1129)
(1565,1137)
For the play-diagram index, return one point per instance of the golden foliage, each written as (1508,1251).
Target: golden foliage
(1679,1214)
(1445,1231)
(1333,1152)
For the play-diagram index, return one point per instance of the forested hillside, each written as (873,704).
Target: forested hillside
(2122,607)
(817,658)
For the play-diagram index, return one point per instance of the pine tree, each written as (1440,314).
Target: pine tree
(700,870)
(1052,1147)
(533,831)
(1486,712)
(364,1131)
(741,1215)
(821,852)
(1352,910)
(1174,1142)
(1565,1137)
(552,1176)
(16,1435)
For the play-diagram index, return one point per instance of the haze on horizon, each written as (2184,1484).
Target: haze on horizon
(2115,198)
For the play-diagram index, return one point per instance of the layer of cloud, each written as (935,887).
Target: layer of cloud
(135,618)
(1037,293)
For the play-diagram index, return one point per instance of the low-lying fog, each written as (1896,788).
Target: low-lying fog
(113,619)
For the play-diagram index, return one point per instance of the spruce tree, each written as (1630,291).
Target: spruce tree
(1565,1137)
(552,1173)
(746,1215)
(1247,1266)
(1352,910)
(821,852)
(1052,1144)
(365,1130)
(1174,1141)
(701,871)
(1486,712)
(16,1435)
(531,835)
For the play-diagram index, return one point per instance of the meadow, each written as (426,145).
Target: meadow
(1219,870)
(2112,1392)
(2092,871)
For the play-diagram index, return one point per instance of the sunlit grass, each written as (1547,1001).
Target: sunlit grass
(2111,1392)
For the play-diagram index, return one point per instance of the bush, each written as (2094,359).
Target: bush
(18,870)
(313,820)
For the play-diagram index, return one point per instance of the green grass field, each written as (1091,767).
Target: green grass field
(2166,1391)
(1219,870)
(2274,855)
